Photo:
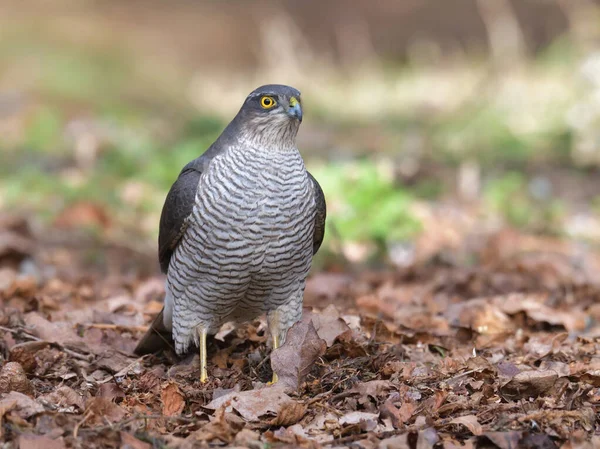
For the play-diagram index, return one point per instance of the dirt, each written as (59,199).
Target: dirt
(497,347)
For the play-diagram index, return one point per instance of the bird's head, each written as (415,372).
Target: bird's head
(270,116)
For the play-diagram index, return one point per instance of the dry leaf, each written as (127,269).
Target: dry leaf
(128,441)
(529,384)
(172,399)
(102,410)
(31,441)
(328,324)
(255,405)
(64,397)
(22,405)
(470,422)
(290,413)
(294,359)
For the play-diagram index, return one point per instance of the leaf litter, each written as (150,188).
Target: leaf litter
(502,353)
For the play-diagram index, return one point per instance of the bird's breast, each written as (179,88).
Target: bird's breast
(251,202)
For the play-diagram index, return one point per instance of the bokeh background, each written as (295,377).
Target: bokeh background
(427,122)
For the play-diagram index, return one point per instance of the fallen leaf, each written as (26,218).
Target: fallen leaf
(470,422)
(24,353)
(102,410)
(290,413)
(31,441)
(24,406)
(255,405)
(480,315)
(55,332)
(530,383)
(294,359)
(128,441)
(533,305)
(64,397)
(172,399)
(219,428)
(591,377)
(397,442)
(357,417)
(328,324)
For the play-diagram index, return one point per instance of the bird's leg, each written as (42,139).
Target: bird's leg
(202,347)
(274,328)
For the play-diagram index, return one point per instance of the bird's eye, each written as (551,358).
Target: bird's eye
(267,102)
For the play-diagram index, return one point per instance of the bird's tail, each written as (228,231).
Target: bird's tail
(156,338)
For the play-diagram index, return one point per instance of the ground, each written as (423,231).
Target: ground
(493,344)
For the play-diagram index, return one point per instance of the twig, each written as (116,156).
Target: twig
(80,423)
(123,372)
(120,327)
(133,418)
(22,333)
(362,436)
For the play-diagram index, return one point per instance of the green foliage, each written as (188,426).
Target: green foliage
(510,197)
(44,130)
(364,205)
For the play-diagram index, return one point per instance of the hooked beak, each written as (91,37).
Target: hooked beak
(295,109)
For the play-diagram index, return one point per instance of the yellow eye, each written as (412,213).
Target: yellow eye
(267,102)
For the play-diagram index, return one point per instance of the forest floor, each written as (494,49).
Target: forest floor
(495,344)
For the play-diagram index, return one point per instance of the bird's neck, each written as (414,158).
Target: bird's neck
(269,138)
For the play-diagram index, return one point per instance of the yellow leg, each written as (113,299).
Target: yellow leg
(202,345)
(275,346)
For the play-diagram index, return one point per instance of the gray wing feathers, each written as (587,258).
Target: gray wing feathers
(179,204)
(319,230)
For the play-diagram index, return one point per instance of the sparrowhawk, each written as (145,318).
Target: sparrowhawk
(239,228)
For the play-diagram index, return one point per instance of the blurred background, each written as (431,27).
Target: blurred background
(428,123)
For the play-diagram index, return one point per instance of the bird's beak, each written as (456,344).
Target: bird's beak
(295,109)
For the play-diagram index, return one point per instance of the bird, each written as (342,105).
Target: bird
(238,230)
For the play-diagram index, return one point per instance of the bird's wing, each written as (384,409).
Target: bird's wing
(173,223)
(319,230)
(178,206)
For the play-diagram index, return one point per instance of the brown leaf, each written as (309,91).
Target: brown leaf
(480,315)
(24,353)
(172,399)
(128,441)
(328,324)
(533,305)
(368,421)
(255,405)
(111,391)
(64,397)
(219,428)
(102,410)
(591,377)
(470,422)
(24,406)
(13,378)
(58,332)
(30,441)
(374,388)
(399,415)
(529,384)
(397,442)
(290,413)
(294,359)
